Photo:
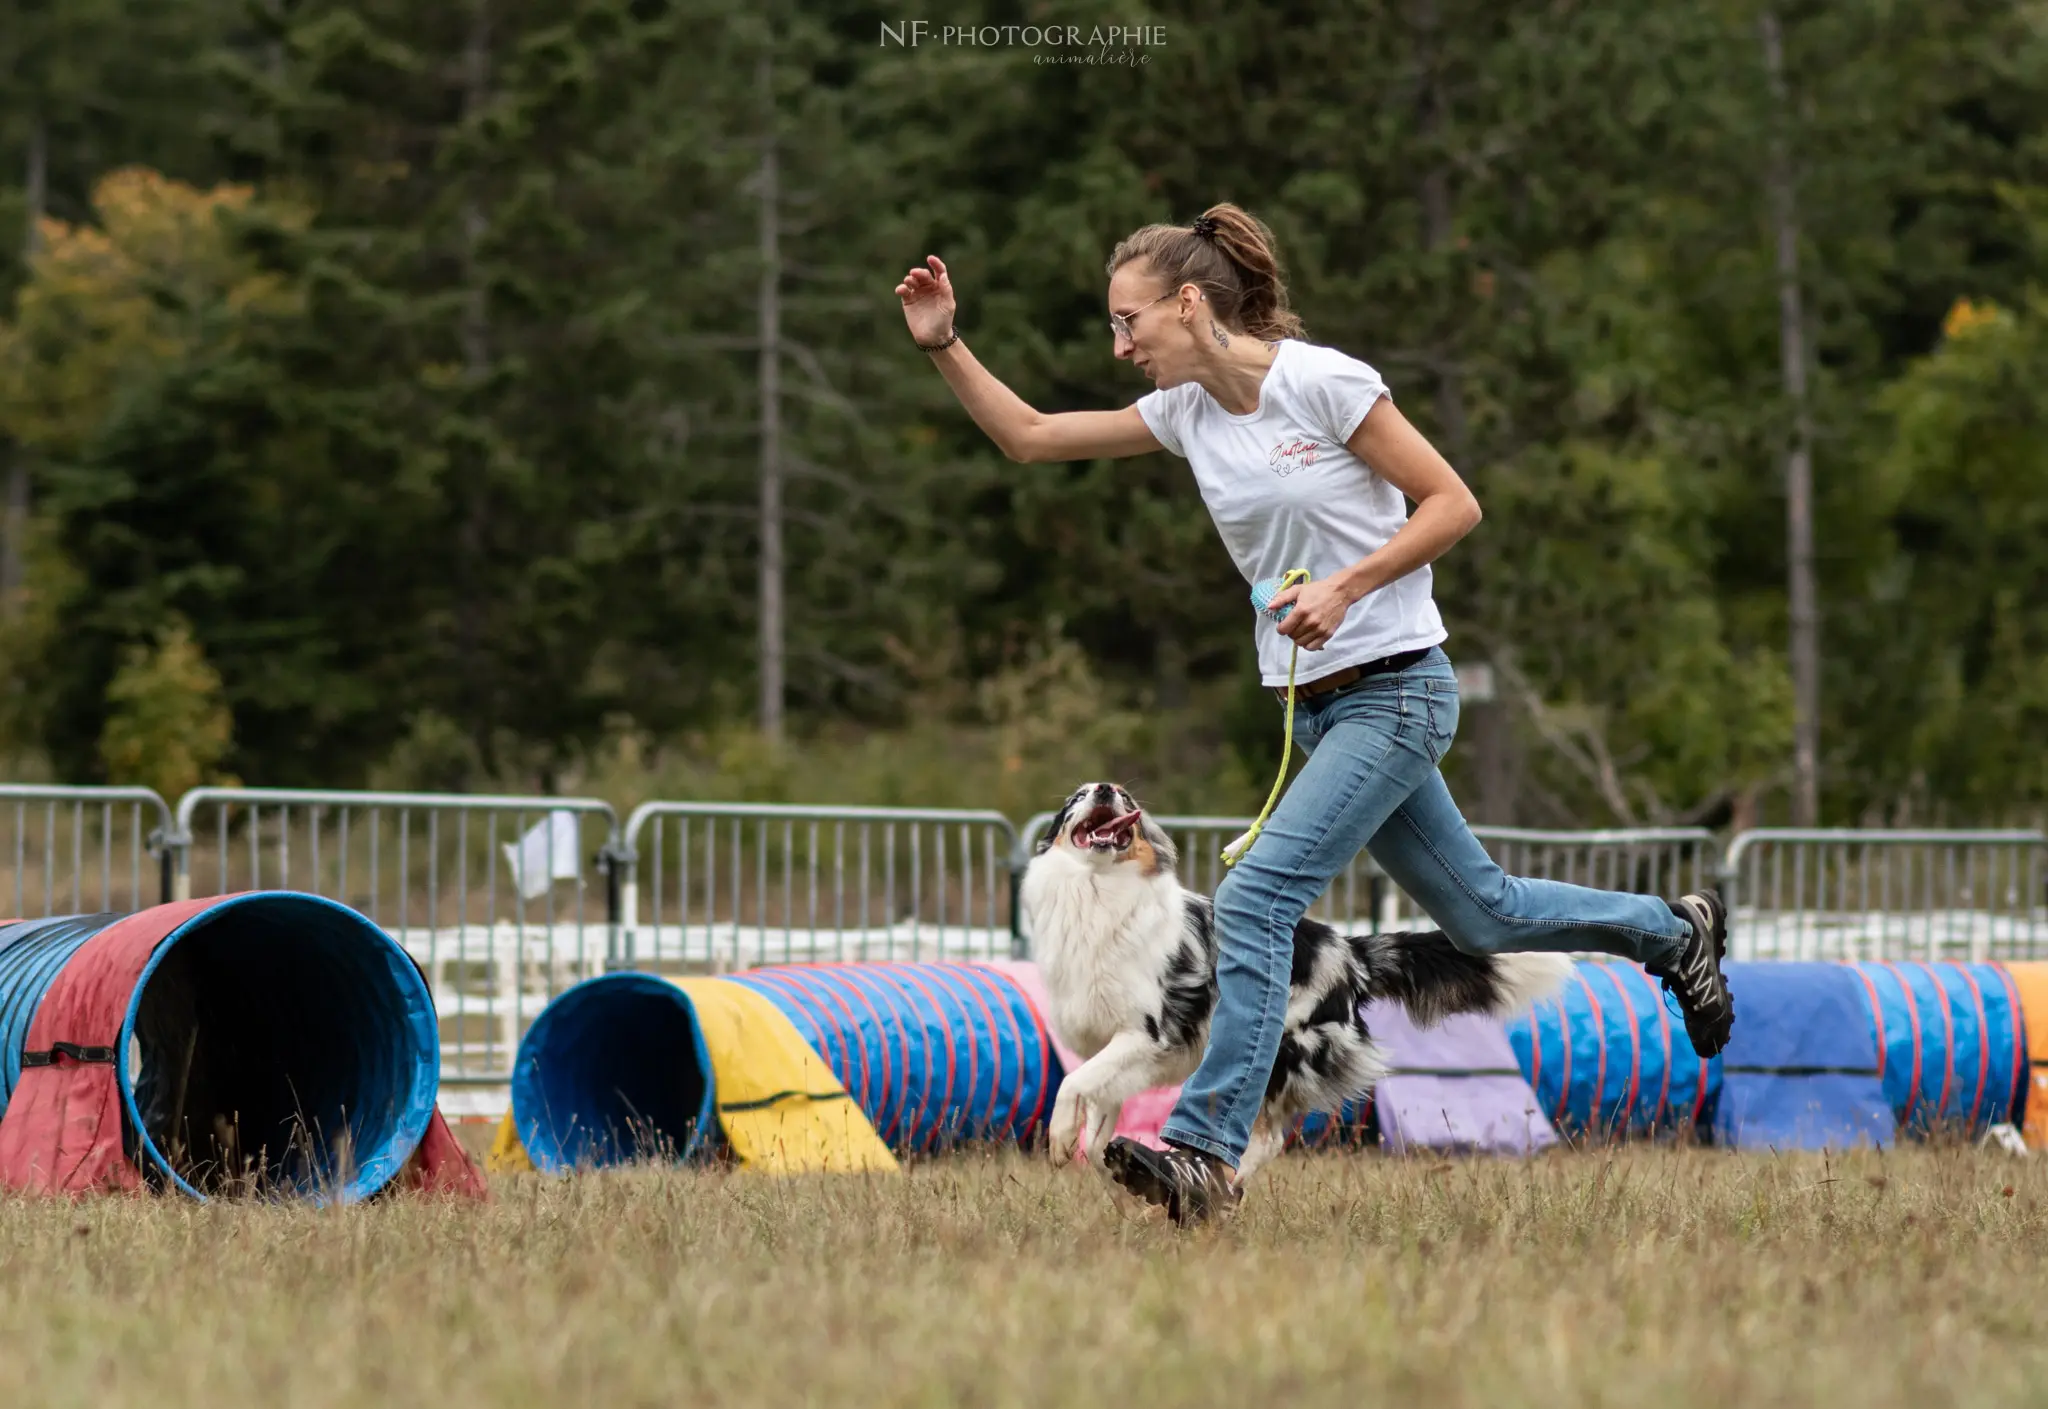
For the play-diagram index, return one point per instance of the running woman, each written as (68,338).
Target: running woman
(1304,461)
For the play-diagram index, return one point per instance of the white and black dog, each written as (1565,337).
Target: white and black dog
(1129,963)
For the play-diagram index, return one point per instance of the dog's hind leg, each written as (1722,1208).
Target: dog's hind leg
(1097,1090)
(1268,1140)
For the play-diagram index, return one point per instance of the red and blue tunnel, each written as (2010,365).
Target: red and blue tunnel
(271,1042)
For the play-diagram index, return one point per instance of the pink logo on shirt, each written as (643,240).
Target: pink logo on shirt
(1291,455)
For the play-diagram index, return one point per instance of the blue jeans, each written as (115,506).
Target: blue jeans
(1371,783)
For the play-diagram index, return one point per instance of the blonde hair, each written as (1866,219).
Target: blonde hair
(1228,253)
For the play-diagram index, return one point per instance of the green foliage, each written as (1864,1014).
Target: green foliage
(434,755)
(167,723)
(1966,484)
(440,425)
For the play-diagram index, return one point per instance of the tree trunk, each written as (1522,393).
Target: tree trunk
(1488,727)
(476,79)
(1805,611)
(36,184)
(472,333)
(770,592)
(1434,110)
(1170,671)
(14,533)
(273,49)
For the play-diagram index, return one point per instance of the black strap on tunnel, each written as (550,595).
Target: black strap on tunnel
(99,1056)
(779,1097)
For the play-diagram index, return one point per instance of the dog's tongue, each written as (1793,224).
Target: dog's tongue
(1116,827)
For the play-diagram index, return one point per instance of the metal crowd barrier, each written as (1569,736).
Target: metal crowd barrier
(491,895)
(73,850)
(727,885)
(1666,861)
(1845,894)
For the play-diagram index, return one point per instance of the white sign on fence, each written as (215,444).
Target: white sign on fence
(550,852)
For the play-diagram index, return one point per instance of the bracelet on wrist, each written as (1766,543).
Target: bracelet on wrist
(952,337)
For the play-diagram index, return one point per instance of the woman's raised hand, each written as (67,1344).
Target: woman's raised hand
(928,305)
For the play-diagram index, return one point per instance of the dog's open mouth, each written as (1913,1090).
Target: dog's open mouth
(1105,829)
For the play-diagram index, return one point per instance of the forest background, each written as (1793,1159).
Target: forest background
(511,394)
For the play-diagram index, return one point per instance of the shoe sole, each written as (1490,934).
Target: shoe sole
(1128,1167)
(1135,1176)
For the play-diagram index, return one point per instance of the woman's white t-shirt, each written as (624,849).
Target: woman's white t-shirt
(1286,492)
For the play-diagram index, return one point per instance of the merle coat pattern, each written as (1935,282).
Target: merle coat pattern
(1129,962)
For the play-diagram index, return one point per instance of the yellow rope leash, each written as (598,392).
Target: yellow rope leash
(1234,853)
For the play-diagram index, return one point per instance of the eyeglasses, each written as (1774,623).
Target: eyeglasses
(1120,323)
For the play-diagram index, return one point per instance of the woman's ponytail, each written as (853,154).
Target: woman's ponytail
(1229,254)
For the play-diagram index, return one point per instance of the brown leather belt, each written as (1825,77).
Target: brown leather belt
(1352,674)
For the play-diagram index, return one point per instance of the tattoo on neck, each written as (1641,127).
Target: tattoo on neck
(1221,336)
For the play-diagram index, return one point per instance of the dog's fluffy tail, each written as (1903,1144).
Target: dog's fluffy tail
(1432,978)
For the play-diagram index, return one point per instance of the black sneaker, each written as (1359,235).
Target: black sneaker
(1695,976)
(1192,1185)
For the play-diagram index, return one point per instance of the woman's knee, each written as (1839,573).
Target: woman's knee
(1476,922)
(1237,901)
(1479,935)
(1499,922)
(1477,919)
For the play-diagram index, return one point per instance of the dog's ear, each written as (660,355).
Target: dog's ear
(1057,825)
(1162,844)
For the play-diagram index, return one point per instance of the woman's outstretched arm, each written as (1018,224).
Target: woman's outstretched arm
(1019,431)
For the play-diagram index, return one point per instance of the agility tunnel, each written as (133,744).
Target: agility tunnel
(936,1054)
(272,1043)
(1608,1060)
(1822,1056)
(636,1066)
(1454,1088)
(1950,1043)
(631,1066)
(1801,1070)
(2030,986)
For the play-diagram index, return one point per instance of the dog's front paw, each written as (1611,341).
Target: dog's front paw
(1063,1136)
(1063,1144)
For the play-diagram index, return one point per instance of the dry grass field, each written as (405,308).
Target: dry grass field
(1648,1277)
